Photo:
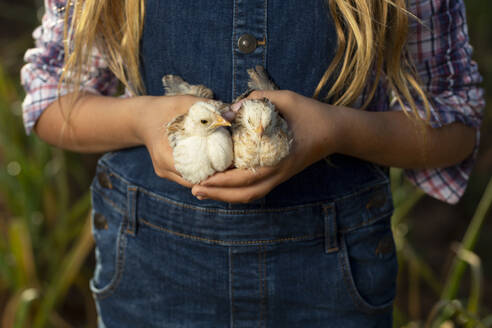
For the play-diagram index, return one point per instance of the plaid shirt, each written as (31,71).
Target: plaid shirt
(439,49)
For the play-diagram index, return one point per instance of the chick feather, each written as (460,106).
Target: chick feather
(261,137)
(201,144)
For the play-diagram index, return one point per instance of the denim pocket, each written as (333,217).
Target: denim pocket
(108,227)
(369,265)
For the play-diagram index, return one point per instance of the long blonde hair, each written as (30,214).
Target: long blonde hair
(371,47)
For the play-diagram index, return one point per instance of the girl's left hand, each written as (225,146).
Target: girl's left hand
(314,129)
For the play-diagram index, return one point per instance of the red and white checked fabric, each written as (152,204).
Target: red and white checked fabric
(439,49)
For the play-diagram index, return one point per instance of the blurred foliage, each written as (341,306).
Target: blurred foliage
(45,237)
(45,232)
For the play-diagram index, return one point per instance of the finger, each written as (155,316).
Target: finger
(237,105)
(229,115)
(233,195)
(238,177)
(178,179)
(282,99)
(259,94)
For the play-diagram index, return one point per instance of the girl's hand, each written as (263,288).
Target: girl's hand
(314,133)
(150,127)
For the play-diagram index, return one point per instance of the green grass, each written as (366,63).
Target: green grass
(45,233)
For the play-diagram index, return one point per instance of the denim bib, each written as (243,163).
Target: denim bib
(204,43)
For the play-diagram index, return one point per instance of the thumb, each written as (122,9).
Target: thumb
(282,99)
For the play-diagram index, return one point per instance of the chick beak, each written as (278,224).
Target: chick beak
(259,130)
(220,121)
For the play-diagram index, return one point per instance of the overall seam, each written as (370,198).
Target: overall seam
(226,242)
(120,263)
(262,275)
(341,197)
(234,27)
(265,35)
(366,223)
(131,203)
(331,229)
(113,204)
(231,293)
(347,276)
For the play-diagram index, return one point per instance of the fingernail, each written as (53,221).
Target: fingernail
(201,196)
(235,107)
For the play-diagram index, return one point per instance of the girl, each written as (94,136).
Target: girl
(304,244)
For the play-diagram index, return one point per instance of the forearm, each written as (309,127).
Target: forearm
(93,123)
(393,139)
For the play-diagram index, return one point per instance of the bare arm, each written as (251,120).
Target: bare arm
(387,138)
(393,139)
(96,124)
(99,124)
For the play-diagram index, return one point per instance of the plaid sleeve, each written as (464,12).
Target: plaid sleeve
(44,64)
(441,53)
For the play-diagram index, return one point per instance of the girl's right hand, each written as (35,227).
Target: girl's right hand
(150,127)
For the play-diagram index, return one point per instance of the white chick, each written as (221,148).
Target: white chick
(260,135)
(201,144)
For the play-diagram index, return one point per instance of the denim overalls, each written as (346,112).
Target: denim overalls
(317,251)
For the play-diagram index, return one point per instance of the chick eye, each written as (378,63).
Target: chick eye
(204,121)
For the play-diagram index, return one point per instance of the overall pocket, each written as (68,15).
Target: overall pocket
(369,265)
(108,227)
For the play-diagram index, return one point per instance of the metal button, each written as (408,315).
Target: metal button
(247,43)
(104,180)
(100,222)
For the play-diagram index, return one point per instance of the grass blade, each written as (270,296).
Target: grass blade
(458,267)
(65,277)
(21,249)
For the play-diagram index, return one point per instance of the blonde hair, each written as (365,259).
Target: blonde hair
(371,46)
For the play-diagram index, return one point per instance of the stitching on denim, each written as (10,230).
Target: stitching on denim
(331,229)
(234,27)
(354,293)
(120,263)
(367,223)
(348,280)
(265,287)
(231,289)
(262,276)
(113,204)
(260,287)
(231,242)
(265,29)
(132,203)
(375,185)
(231,212)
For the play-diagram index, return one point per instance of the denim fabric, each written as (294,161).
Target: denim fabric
(168,263)
(197,40)
(317,251)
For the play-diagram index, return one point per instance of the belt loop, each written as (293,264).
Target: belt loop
(131,209)
(331,230)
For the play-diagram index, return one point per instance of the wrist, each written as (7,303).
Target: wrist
(142,118)
(337,131)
